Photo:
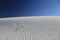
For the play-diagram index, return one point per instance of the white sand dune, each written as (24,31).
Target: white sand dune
(30,28)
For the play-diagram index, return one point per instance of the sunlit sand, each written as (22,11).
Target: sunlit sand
(30,28)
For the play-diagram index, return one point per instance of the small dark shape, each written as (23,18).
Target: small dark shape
(7,38)
(22,26)
(17,29)
(25,23)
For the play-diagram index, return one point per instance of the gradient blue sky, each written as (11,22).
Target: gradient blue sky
(16,8)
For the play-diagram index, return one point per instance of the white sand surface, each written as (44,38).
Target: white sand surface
(30,28)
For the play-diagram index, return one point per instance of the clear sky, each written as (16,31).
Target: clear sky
(16,8)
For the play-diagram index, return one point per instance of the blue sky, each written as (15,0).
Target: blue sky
(16,8)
